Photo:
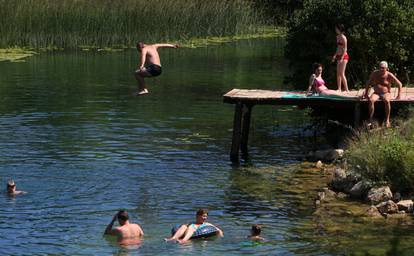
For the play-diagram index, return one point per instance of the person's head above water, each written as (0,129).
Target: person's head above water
(256,230)
(122,216)
(201,215)
(11,186)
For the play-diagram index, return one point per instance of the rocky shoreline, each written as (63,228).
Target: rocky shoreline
(381,201)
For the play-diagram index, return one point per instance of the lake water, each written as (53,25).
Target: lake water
(74,138)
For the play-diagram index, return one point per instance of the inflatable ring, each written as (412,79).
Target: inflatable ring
(201,232)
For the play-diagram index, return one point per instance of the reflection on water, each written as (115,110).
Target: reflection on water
(73,137)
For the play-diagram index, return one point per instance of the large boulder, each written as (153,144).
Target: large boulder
(341,181)
(377,195)
(405,205)
(359,190)
(388,207)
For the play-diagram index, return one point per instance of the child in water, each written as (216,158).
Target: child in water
(255,233)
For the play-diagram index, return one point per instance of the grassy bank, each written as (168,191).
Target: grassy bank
(104,23)
(385,156)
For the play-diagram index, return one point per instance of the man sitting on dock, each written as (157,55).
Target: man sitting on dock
(381,80)
(149,55)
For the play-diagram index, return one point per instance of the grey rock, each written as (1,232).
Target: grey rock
(396,197)
(359,190)
(405,205)
(341,181)
(372,211)
(319,164)
(388,207)
(377,195)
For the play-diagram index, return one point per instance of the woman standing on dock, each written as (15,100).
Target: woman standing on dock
(317,84)
(341,57)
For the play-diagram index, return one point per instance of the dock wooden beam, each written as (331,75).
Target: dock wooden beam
(241,128)
(355,108)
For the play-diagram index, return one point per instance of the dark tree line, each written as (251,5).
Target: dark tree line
(376,30)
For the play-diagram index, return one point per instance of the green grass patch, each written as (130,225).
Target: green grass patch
(385,156)
(263,32)
(15,54)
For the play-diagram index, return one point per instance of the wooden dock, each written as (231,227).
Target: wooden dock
(245,100)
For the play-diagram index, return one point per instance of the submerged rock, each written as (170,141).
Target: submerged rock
(388,207)
(405,205)
(377,195)
(342,182)
(372,211)
(319,164)
(328,155)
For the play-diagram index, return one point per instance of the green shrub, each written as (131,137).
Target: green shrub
(376,30)
(385,157)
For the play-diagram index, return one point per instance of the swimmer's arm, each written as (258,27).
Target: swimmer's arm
(109,230)
(140,231)
(220,232)
(311,81)
(398,82)
(166,45)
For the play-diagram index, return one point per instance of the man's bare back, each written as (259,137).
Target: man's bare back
(151,55)
(127,233)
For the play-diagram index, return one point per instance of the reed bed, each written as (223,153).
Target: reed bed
(121,23)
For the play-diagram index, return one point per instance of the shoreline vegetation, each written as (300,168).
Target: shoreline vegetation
(32,26)
(17,54)
(105,25)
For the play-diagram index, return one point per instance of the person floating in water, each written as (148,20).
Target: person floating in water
(150,64)
(11,189)
(185,231)
(127,233)
(255,233)
(381,80)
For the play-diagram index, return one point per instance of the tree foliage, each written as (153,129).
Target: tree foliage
(376,30)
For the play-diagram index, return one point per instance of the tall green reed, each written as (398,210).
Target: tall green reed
(100,23)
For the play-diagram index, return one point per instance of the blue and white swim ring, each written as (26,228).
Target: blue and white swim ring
(203,231)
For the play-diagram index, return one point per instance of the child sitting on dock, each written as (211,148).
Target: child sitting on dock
(255,233)
(317,84)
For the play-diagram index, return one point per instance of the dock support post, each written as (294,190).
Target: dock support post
(237,127)
(247,111)
(357,114)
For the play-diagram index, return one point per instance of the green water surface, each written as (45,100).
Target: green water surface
(74,138)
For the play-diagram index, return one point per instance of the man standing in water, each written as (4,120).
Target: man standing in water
(127,233)
(381,81)
(11,189)
(149,56)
